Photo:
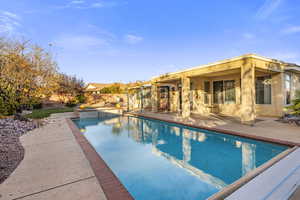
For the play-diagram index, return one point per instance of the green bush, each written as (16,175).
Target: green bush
(71,103)
(36,103)
(295,107)
(80,98)
(113,89)
(37,106)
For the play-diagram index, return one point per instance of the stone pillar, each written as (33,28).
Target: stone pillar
(186,108)
(248,92)
(278,97)
(154,98)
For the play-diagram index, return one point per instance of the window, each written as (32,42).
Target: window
(192,85)
(229,89)
(164,92)
(224,91)
(206,90)
(218,92)
(288,87)
(263,90)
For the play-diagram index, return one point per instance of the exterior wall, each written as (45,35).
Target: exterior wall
(275,109)
(232,109)
(295,84)
(154,98)
(174,100)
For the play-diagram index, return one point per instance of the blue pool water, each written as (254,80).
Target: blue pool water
(160,160)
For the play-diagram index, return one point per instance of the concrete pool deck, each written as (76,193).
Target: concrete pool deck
(54,167)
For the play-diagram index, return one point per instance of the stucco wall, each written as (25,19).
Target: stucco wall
(295,84)
(199,95)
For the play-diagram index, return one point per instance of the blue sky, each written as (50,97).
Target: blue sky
(128,40)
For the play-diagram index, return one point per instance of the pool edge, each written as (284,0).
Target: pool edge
(109,182)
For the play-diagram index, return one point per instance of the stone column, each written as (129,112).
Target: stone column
(186,108)
(278,96)
(154,98)
(248,92)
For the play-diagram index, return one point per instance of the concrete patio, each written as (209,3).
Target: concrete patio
(54,167)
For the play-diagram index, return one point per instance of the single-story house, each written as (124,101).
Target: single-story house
(246,87)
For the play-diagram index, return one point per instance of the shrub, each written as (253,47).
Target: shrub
(80,98)
(72,103)
(295,107)
(113,89)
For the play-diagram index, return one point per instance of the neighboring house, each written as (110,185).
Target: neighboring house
(247,87)
(95,88)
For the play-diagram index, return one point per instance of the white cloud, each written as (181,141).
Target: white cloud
(77,2)
(268,8)
(95,44)
(11,15)
(9,22)
(80,42)
(291,30)
(97,5)
(133,39)
(248,36)
(81,4)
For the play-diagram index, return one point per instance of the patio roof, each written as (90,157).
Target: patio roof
(212,67)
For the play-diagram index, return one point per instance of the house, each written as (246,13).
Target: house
(95,88)
(246,87)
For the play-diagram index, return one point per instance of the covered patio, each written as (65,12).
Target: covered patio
(243,89)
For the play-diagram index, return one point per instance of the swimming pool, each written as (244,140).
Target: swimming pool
(159,160)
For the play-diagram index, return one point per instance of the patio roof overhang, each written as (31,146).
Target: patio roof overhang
(140,86)
(227,66)
(295,69)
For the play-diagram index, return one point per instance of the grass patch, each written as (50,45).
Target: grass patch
(42,113)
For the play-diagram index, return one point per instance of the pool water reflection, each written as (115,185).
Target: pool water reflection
(160,160)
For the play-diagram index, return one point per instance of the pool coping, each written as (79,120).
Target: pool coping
(115,190)
(109,182)
(229,132)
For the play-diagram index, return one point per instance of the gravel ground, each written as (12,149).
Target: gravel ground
(11,150)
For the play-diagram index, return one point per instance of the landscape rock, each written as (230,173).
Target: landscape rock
(11,150)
